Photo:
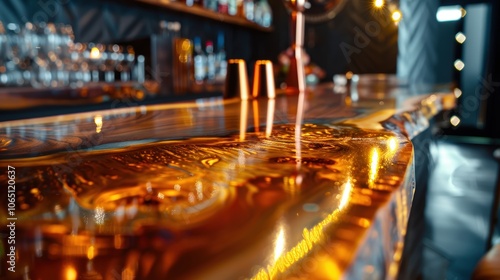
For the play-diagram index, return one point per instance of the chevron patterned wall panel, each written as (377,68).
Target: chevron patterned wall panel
(360,39)
(418,39)
(374,38)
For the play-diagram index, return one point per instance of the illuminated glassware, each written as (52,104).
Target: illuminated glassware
(45,55)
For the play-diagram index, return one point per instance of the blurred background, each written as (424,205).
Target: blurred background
(404,38)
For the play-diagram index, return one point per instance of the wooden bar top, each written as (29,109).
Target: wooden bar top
(317,185)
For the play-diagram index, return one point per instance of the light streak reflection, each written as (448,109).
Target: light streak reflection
(243,119)
(346,194)
(374,166)
(271,103)
(279,243)
(98,123)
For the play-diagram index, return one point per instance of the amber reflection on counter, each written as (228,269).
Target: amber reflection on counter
(70,273)
(172,201)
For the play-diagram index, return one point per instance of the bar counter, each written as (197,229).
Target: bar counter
(317,185)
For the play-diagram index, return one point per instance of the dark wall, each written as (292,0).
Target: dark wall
(492,112)
(358,39)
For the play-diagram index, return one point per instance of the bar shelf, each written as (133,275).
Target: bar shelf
(204,13)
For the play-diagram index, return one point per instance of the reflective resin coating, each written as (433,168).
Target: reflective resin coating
(311,186)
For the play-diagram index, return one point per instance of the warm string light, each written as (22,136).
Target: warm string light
(95,53)
(459,64)
(392,7)
(454,120)
(460,37)
(454,13)
(378,3)
(396,16)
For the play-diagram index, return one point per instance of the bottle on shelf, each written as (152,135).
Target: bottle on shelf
(191,3)
(182,57)
(210,5)
(220,58)
(248,10)
(165,66)
(223,6)
(200,62)
(240,9)
(263,13)
(232,7)
(209,49)
(183,76)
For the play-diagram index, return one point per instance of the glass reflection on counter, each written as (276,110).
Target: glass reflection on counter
(244,115)
(298,126)
(243,119)
(256,116)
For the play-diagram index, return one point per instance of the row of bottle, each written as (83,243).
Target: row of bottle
(258,11)
(210,64)
(184,65)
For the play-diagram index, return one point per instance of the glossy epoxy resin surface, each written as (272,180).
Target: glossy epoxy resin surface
(309,186)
